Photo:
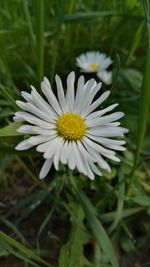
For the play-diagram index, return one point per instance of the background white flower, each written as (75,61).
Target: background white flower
(97,62)
(67,129)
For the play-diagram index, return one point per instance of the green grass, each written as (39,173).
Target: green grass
(107,219)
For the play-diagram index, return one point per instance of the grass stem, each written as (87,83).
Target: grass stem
(40,4)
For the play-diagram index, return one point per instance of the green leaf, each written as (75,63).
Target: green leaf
(100,234)
(71,254)
(142,200)
(10,130)
(130,78)
(64,256)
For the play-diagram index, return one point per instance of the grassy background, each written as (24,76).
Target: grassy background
(43,38)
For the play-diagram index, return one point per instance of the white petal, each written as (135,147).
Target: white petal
(18,117)
(108,131)
(21,104)
(105,76)
(41,104)
(70,90)
(90,174)
(44,147)
(30,129)
(83,95)
(98,158)
(38,139)
(60,93)
(89,97)
(95,169)
(56,157)
(78,159)
(37,112)
(104,140)
(64,153)
(71,157)
(51,150)
(105,119)
(27,96)
(85,158)
(45,168)
(80,85)
(84,151)
(95,104)
(34,120)
(99,113)
(114,124)
(108,142)
(23,145)
(26,129)
(47,90)
(106,152)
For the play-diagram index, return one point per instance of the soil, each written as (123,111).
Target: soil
(10,263)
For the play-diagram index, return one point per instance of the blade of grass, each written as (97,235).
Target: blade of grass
(40,6)
(22,249)
(14,229)
(59,186)
(28,19)
(145,93)
(18,255)
(145,99)
(120,202)
(116,71)
(110,216)
(31,175)
(82,17)
(57,39)
(135,42)
(8,96)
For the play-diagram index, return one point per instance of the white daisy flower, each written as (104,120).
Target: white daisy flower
(97,62)
(67,129)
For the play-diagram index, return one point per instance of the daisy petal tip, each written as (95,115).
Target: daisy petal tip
(57,77)
(41,176)
(19,130)
(99,84)
(39,150)
(16,147)
(45,80)
(91,177)
(19,147)
(72,73)
(14,118)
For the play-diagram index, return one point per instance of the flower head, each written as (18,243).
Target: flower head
(97,62)
(67,129)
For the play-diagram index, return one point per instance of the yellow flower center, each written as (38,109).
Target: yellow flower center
(71,126)
(93,66)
